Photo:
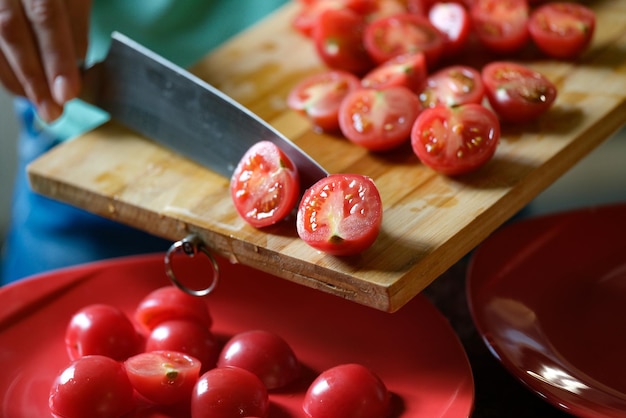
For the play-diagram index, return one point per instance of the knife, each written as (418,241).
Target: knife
(165,103)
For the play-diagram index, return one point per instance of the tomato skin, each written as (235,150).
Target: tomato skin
(453,20)
(187,337)
(163,377)
(319,96)
(562,30)
(341,214)
(92,386)
(406,70)
(263,353)
(338,39)
(229,392)
(169,302)
(347,391)
(101,329)
(501,25)
(457,140)
(453,86)
(403,33)
(265,185)
(517,93)
(380,119)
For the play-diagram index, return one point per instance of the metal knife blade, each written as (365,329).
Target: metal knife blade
(171,106)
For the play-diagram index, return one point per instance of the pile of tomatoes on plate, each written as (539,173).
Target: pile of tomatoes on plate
(399,71)
(166,361)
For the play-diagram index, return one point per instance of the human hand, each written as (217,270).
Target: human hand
(42,43)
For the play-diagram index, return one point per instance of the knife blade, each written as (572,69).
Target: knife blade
(166,103)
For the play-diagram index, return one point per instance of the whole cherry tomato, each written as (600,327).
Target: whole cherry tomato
(101,329)
(347,391)
(263,353)
(92,386)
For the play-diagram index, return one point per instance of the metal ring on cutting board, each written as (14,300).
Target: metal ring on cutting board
(190,246)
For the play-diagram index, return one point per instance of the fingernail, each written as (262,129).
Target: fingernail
(49,111)
(62,90)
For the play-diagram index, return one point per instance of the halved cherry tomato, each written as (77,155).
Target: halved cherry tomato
(501,25)
(562,30)
(93,386)
(265,185)
(453,20)
(341,214)
(403,33)
(319,96)
(306,18)
(163,377)
(455,140)
(453,86)
(408,70)
(263,353)
(516,92)
(101,329)
(338,39)
(169,302)
(228,392)
(347,391)
(381,119)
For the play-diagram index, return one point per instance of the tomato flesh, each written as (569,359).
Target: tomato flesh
(501,25)
(265,185)
(406,70)
(341,214)
(453,86)
(562,30)
(457,140)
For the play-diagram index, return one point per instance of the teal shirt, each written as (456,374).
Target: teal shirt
(180,30)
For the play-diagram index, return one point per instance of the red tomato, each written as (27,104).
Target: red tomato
(403,33)
(93,386)
(187,337)
(501,25)
(452,19)
(453,86)
(163,377)
(455,140)
(340,214)
(347,391)
(101,329)
(263,353)
(229,392)
(318,97)
(517,93)
(306,18)
(265,185)
(562,30)
(338,39)
(408,70)
(169,302)
(379,120)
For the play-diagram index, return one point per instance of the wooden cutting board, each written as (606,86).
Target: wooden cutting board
(430,221)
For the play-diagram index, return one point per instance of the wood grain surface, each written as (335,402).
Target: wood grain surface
(430,221)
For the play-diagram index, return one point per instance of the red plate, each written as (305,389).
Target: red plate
(414,350)
(548,295)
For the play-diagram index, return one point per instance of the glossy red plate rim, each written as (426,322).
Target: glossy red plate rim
(545,294)
(415,351)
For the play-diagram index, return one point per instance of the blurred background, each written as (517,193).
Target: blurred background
(597,179)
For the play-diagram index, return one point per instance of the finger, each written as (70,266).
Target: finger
(78,12)
(21,53)
(8,78)
(51,28)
